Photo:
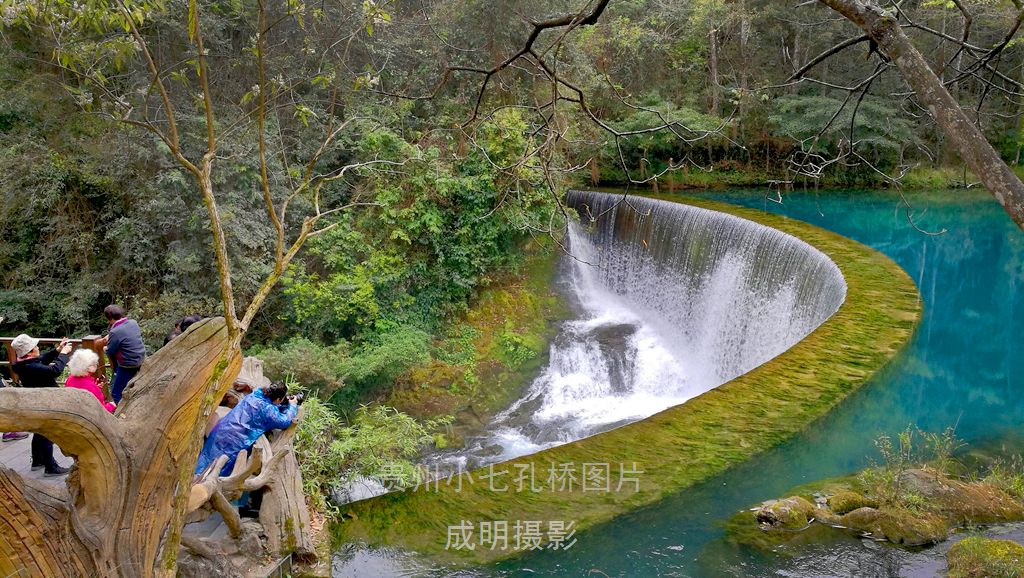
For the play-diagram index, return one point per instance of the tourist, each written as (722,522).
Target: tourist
(124,348)
(83,366)
(176,332)
(189,321)
(181,326)
(36,370)
(255,415)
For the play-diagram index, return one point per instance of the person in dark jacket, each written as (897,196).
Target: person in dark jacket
(124,348)
(254,416)
(36,370)
(182,326)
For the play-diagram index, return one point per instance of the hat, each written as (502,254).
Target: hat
(23,345)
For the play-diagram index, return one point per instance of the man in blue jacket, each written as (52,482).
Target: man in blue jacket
(124,348)
(257,413)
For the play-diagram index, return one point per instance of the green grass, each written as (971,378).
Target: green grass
(682,445)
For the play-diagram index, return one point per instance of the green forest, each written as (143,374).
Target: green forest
(96,210)
(371,192)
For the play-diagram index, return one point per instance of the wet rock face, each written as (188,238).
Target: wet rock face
(985,557)
(789,513)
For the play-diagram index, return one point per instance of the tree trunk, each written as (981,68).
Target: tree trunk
(122,509)
(284,515)
(974,149)
(716,95)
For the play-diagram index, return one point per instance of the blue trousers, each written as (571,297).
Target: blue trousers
(122,375)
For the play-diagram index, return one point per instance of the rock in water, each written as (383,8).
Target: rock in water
(845,501)
(788,513)
(984,557)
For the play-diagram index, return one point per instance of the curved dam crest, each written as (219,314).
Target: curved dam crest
(794,275)
(670,300)
(726,294)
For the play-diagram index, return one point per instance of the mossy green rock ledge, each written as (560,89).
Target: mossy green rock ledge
(673,449)
(986,558)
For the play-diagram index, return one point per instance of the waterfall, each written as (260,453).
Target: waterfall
(671,301)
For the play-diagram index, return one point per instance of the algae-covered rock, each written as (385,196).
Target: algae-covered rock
(788,513)
(911,528)
(826,516)
(845,501)
(898,526)
(984,557)
(940,502)
(962,502)
(862,519)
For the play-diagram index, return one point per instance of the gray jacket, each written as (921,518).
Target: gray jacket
(124,345)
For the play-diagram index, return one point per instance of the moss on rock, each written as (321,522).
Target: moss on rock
(986,558)
(791,513)
(493,352)
(844,501)
(940,503)
(906,528)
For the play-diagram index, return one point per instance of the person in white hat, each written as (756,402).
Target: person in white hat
(35,370)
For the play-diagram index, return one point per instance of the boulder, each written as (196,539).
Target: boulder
(788,513)
(862,519)
(897,525)
(962,502)
(845,501)
(983,557)
(912,529)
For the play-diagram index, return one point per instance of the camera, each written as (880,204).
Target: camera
(299,398)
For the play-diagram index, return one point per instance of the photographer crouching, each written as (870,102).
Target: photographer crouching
(267,408)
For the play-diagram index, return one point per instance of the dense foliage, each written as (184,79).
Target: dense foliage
(379,444)
(95,209)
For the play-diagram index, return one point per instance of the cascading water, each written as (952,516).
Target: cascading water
(671,301)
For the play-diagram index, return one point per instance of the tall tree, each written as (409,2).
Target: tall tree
(211,82)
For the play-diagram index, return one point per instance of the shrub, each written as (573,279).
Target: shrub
(912,448)
(378,363)
(380,443)
(315,366)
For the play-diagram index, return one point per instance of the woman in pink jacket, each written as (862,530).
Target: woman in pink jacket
(82,366)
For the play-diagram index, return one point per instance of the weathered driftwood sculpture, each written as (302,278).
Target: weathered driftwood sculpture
(283,517)
(122,509)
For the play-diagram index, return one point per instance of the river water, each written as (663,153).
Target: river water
(962,367)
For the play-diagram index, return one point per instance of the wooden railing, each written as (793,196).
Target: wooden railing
(89,342)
